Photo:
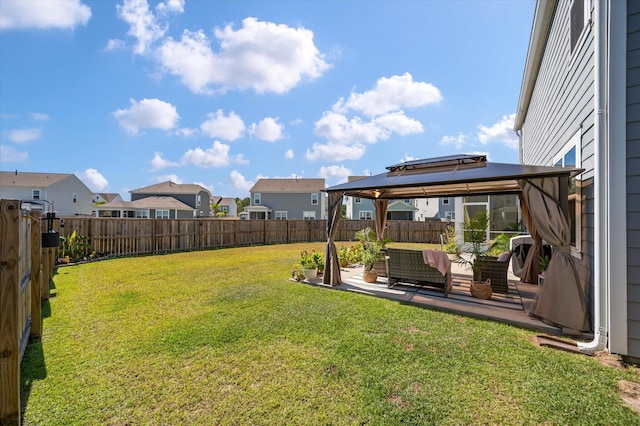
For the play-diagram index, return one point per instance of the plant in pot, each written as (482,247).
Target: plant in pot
(309,263)
(375,248)
(475,253)
(369,258)
(543,263)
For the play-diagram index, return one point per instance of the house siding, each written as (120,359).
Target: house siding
(293,203)
(562,103)
(633,177)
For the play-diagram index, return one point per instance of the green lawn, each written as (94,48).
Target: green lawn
(222,337)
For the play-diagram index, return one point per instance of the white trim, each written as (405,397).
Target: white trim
(280,215)
(317,198)
(369,215)
(308,215)
(259,197)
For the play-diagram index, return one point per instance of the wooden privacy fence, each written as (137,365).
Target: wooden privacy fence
(130,236)
(24,283)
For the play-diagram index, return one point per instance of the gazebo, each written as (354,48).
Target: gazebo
(543,194)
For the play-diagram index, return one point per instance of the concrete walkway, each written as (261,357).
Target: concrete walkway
(511,309)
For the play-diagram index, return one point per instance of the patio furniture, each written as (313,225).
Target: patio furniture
(409,266)
(496,271)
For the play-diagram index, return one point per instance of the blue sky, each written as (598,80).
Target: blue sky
(125,94)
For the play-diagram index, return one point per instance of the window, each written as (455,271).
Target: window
(142,214)
(257,199)
(366,214)
(571,156)
(162,214)
(35,194)
(74,197)
(199,200)
(281,215)
(224,209)
(580,11)
(450,215)
(308,215)
(314,199)
(357,200)
(408,201)
(445,201)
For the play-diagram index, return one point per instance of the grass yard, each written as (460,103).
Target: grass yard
(222,337)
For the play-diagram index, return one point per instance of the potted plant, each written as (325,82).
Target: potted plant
(369,258)
(452,248)
(309,263)
(543,263)
(475,252)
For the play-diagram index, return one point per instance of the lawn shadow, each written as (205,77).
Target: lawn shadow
(32,368)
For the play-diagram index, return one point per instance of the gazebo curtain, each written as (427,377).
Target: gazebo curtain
(380,207)
(561,299)
(530,269)
(332,266)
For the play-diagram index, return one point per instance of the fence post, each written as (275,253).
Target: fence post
(36,277)
(9,301)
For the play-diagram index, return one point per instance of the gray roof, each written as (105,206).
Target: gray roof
(31,180)
(169,187)
(295,185)
(447,177)
(156,203)
(108,196)
(223,201)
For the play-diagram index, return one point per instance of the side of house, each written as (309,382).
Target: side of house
(147,207)
(70,197)
(225,206)
(578,104)
(294,198)
(192,195)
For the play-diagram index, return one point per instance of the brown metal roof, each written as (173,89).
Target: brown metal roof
(296,185)
(447,177)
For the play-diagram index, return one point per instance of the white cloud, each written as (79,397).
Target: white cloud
(239,159)
(216,156)
(335,152)
(186,132)
(267,129)
(24,135)
(143,25)
(157,162)
(399,123)
(39,116)
(457,141)
(407,158)
(239,182)
(114,44)
(335,172)
(502,131)
(262,56)
(12,155)
(169,6)
(229,128)
(289,155)
(60,14)
(148,113)
(391,94)
(338,128)
(171,177)
(93,179)
(208,187)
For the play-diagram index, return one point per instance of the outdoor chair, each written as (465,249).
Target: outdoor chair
(496,270)
(408,266)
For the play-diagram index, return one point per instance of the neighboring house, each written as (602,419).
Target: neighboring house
(225,205)
(293,198)
(428,209)
(106,197)
(148,207)
(70,197)
(580,105)
(194,196)
(362,208)
(447,208)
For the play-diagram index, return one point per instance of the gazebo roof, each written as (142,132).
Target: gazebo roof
(448,176)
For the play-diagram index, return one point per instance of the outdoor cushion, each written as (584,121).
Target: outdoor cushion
(504,257)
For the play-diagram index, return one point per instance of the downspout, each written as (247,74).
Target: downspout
(601,178)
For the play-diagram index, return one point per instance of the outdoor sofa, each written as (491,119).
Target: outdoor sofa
(408,266)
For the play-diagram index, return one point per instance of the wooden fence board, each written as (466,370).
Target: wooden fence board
(133,236)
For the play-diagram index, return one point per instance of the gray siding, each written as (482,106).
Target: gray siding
(293,203)
(562,104)
(633,177)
